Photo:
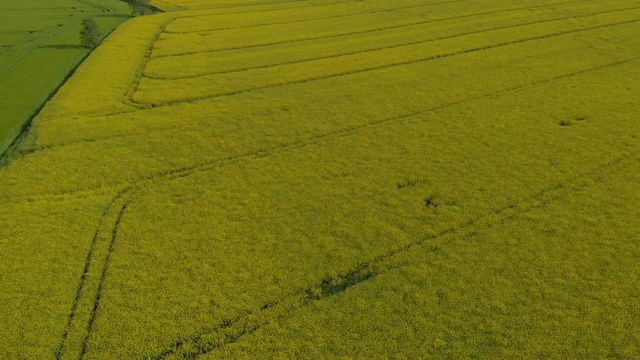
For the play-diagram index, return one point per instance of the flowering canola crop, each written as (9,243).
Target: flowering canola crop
(325,179)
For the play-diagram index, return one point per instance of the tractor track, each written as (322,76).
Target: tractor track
(234,328)
(193,99)
(64,195)
(97,259)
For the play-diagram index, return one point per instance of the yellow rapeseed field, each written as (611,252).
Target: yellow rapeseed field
(334,179)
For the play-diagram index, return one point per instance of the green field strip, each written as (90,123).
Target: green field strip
(39,42)
(196,65)
(32,92)
(154,92)
(233,329)
(538,196)
(25,91)
(297,143)
(121,75)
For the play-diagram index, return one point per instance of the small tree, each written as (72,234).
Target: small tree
(139,7)
(90,34)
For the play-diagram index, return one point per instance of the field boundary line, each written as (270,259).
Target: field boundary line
(50,35)
(95,6)
(13,147)
(133,87)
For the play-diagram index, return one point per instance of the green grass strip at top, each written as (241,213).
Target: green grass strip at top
(38,65)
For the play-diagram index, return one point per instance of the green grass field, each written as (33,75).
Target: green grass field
(39,47)
(323,179)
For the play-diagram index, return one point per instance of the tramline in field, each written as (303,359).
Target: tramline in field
(39,47)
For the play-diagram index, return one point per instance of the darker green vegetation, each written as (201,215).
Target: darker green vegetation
(139,7)
(40,47)
(90,35)
(334,286)
(430,201)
